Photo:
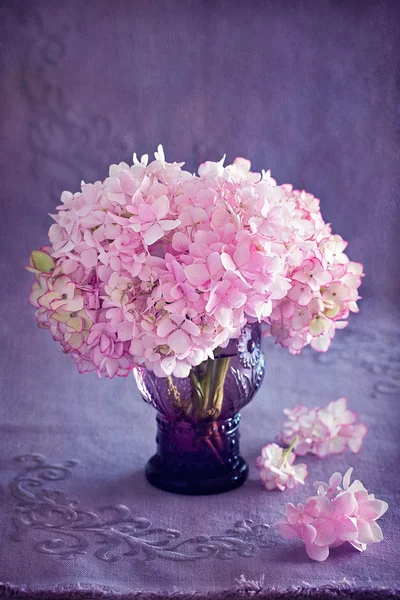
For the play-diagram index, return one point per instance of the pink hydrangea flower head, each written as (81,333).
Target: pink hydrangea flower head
(335,515)
(323,431)
(276,468)
(221,248)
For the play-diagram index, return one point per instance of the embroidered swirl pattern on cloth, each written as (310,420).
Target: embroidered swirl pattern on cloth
(119,534)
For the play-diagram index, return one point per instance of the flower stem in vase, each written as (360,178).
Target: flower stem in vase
(197,400)
(206,400)
(208,380)
(173,390)
(217,396)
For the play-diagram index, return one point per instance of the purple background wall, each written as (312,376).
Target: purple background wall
(308,89)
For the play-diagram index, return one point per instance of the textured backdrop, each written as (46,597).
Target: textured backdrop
(308,89)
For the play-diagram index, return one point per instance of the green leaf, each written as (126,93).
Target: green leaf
(42,261)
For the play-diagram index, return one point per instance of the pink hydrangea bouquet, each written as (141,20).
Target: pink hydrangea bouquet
(159,267)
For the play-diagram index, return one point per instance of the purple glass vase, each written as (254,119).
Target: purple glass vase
(198,418)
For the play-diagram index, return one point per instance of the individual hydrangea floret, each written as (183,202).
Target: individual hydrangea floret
(340,512)
(323,431)
(158,267)
(276,468)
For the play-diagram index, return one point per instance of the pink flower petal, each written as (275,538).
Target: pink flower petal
(165,327)
(197,274)
(182,369)
(69,266)
(227,262)
(154,233)
(346,478)
(345,504)
(75,305)
(180,242)
(369,532)
(236,298)
(35,294)
(319,553)
(125,332)
(286,530)
(104,343)
(242,254)
(89,258)
(111,367)
(168,224)
(161,207)
(346,529)
(357,437)
(326,533)
(190,327)
(168,364)
(335,480)
(94,336)
(308,533)
(179,341)
(146,213)
(47,298)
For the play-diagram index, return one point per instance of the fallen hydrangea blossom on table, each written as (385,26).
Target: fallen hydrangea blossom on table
(335,515)
(277,470)
(158,267)
(323,431)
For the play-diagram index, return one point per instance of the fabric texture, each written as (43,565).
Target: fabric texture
(294,593)
(307,89)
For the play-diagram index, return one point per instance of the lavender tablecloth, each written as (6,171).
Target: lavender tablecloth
(77,511)
(307,88)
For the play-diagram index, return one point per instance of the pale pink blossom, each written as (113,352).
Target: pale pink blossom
(151,221)
(276,468)
(323,431)
(335,515)
(177,332)
(225,298)
(220,248)
(313,273)
(62,293)
(333,250)
(331,488)
(121,185)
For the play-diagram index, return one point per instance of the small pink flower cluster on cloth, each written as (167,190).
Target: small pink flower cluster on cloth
(335,515)
(157,266)
(276,468)
(323,431)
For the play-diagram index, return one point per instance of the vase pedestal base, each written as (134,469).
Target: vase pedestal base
(194,482)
